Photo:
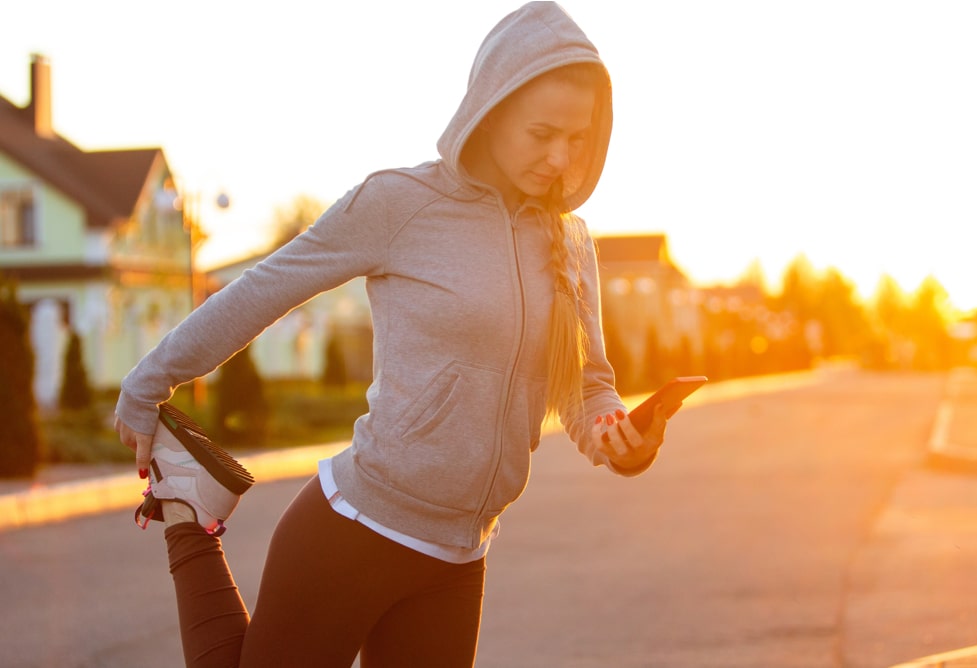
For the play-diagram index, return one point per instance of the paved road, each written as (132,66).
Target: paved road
(788,524)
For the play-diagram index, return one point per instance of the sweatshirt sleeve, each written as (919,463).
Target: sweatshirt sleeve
(345,242)
(599,395)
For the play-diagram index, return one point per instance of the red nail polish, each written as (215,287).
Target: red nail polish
(143,473)
(598,420)
(619,414)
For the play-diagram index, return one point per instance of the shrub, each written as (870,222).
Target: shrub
(84,435)
(20,442)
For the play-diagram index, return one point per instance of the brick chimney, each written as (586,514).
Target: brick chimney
(40,104)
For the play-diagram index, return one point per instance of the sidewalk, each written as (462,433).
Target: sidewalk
(953,445)
(61,492)
(954,438)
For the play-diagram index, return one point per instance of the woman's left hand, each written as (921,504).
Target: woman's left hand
(623,444)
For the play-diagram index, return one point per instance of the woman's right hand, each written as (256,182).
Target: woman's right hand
(141,444)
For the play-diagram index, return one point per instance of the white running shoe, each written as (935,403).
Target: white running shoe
(188,467)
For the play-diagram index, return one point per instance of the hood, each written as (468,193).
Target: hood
(536,38)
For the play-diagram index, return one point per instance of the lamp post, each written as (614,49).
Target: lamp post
(198,287)
(189,206)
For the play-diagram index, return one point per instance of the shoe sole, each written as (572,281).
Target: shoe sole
(216,461)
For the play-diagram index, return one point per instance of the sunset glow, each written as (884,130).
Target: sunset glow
(842,130)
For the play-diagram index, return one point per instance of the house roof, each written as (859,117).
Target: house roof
(106,183)
(633,248)
(637,254)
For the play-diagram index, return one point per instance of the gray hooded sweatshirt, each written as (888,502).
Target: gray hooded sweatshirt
(460,291)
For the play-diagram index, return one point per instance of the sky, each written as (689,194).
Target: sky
(755,130)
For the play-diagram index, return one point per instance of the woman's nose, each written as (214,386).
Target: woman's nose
(559,155)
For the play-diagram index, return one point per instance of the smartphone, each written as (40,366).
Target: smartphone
(670,395)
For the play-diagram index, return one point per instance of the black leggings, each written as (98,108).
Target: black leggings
(331,587)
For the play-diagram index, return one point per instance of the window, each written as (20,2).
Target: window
(18,222)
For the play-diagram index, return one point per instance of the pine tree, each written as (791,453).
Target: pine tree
(241,406)
(335,372)
(75,390)
(20,441)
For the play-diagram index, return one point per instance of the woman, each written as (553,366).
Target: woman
(483,289)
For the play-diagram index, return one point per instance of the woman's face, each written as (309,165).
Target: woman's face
(533,137)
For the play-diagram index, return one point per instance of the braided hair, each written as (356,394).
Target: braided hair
(568,345)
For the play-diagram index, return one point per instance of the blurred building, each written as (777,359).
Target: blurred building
(329,336)
(93,239)
(650,311)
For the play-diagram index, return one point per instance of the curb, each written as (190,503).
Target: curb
(961,658)
(64,501)
(952,445)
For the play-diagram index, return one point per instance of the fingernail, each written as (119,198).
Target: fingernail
(619,414)
(598,420)
(610,420)
(143,473)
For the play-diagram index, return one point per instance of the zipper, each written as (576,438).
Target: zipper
(510,375)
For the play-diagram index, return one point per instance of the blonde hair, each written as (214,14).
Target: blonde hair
(568,344)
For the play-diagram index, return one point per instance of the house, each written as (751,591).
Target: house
(334,328)
(650,310)
(93,240)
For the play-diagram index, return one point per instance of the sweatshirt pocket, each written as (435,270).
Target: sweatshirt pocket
(446,452)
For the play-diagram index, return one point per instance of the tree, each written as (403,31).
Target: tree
(76,393)
(800,292)
(20,441)
(754,276)
(890,306)
(335,374)
(929,313)
(842,315)
(294,218)
(890,345)
(241,406)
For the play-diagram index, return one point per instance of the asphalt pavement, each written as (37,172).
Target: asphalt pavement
(932,512)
